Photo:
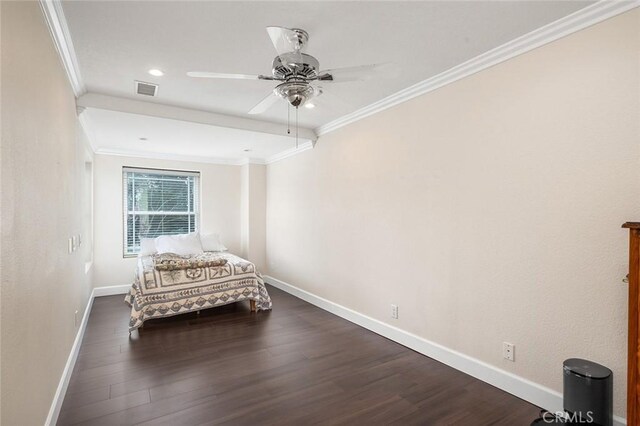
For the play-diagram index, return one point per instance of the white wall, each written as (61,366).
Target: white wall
(219,211)
(253,215)
(43,197)
(489,210)
(1,138)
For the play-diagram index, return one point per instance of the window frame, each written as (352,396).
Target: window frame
(174,172)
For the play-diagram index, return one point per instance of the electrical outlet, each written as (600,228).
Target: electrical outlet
(394,311)
(75,318)
(509,351)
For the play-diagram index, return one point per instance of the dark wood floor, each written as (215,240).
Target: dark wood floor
(295,365)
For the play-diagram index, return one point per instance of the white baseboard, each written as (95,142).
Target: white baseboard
(58,398)
(535,393)
(523,388)
(111,290)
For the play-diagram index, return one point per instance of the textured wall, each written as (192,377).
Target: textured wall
(254,199)
(219,211)
(489,210)
(1,138)
(43,196)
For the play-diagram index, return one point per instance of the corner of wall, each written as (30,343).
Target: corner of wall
(253,213)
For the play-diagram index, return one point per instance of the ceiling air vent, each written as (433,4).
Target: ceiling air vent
(148,89)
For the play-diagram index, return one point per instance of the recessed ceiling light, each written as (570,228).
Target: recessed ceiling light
(142,139)
(309,105)
(156,73)
(247,150)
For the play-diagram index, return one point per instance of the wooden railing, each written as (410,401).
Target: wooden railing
(633,368)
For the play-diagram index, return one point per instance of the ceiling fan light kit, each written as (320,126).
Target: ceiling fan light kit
(296,93)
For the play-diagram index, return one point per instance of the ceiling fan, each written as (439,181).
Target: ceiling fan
(295,70)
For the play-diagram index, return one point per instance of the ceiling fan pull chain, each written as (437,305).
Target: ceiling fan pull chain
(288,120)
(296,127)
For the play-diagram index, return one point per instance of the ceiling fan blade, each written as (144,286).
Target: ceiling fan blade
(331,99)
(287,44)
(265,104)
(199,74)
(358,73)
(285,40)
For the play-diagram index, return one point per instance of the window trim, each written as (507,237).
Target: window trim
(174,172)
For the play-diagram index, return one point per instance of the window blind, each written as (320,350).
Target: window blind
(158,202)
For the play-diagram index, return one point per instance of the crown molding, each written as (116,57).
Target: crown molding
(569,24)
(245,161)
(159,110)
(209,160)
(177,157)
(289,152)
(57,23)
(87,127)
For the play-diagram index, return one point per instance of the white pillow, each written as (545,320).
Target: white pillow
(147,246)
(182,244)
(211,242)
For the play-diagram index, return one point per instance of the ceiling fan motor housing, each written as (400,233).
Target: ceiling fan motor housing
(295,64)
(296,68)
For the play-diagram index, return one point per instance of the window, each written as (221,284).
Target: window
(158,202)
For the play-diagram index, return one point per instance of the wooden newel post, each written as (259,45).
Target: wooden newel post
(633,368)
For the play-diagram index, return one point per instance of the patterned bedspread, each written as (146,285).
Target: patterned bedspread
(156,294)
(171,261)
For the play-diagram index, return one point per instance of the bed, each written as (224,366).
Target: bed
(219,278)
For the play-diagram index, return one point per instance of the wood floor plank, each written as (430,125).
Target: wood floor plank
(85,398)
(101,408)
(154,409)
(294,365)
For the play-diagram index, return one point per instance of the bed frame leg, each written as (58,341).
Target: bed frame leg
(252,305)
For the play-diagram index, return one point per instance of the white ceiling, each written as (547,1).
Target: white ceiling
(117,42)
(120,132)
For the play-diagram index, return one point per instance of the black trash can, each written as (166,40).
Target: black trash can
(588,392)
